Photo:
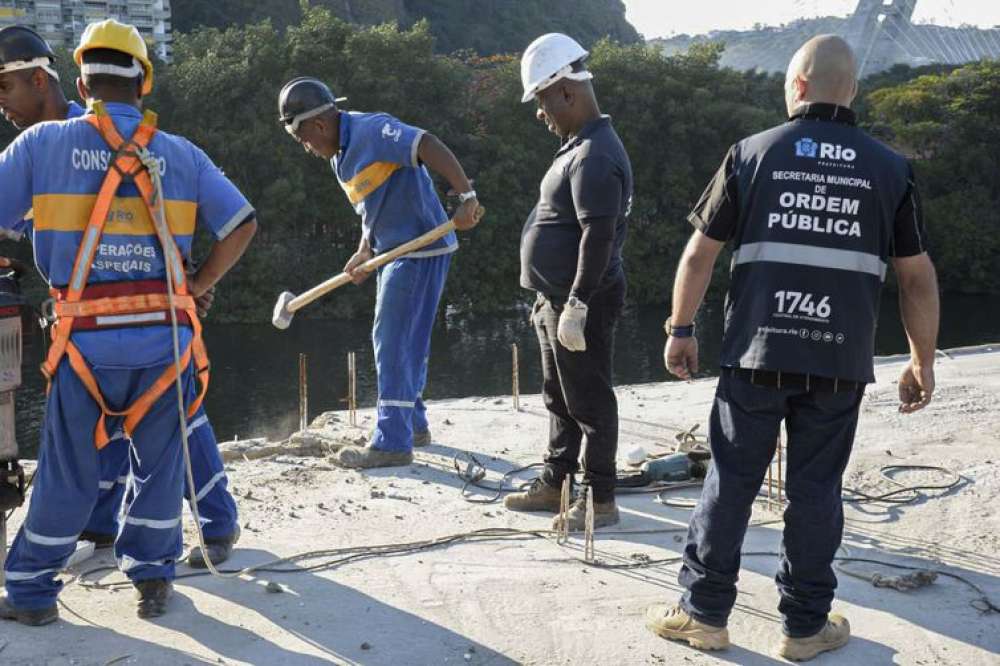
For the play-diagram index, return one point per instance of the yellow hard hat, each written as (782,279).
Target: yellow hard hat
(111,34)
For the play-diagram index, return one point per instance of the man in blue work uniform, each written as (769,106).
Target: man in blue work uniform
(112,352)
(815,210)
(29,83)
(381,163)
(30,94)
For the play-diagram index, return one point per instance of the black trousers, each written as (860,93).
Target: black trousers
(578,392)
(743,432)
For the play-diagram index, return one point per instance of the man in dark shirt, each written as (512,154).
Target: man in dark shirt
(815,210)
(571,255)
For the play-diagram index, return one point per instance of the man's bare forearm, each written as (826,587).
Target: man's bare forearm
(439,159)
(919,306)
(694,273)
(223,256)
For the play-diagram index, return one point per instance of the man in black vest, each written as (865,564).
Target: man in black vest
(815,210)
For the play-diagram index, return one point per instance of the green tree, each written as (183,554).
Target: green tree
(485,26)
(950,124)
(676,115)
(506,26)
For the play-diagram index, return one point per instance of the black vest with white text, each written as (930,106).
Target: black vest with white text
(818,201)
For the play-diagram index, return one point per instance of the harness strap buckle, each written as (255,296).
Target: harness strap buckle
(47,310)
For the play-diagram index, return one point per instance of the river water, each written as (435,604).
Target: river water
(254,388)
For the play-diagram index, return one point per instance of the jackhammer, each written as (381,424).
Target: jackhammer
(12,309)
(679,467)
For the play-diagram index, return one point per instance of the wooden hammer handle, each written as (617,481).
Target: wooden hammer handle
(376,262)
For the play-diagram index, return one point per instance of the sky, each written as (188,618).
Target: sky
(662,18)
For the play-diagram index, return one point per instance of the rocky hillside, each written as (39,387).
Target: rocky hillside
(485,26)
(769,48)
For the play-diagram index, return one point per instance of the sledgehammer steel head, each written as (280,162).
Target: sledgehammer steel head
(282,318)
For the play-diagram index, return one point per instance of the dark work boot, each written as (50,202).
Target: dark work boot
(152,596)
(33,617)
(420,437)
(99,540)
(219,549)
(540,496)
(366,457)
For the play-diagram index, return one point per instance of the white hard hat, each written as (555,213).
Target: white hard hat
(549,59)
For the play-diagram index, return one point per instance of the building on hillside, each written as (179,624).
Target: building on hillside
(62,22)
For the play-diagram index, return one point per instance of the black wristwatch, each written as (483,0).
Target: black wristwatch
(678,331)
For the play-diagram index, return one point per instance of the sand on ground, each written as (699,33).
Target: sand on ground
(532,601)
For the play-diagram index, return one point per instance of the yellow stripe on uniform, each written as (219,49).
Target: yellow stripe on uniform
(368,180)
(128,215)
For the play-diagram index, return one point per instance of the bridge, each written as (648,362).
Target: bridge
(882,33)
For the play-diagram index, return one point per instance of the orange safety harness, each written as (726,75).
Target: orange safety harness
(104,306)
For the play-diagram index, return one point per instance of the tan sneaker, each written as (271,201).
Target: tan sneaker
(365,457)
(674,623)
(540,496)
(834,635)
(605,514)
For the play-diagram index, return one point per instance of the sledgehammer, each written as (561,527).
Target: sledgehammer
(288,303)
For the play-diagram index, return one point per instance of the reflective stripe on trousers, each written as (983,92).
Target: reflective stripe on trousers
(409,291)
(69,472)
(216,506)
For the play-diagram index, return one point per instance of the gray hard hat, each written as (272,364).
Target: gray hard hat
(303,98)
(23,48)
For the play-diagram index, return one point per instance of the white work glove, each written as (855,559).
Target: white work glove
(572,322)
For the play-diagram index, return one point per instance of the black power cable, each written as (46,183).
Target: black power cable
(910,494)
(473,472)
(340,556)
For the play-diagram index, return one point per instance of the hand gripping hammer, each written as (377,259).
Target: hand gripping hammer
(288,303)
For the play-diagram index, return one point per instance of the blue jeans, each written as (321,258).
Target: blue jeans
(409,291)
(743,433)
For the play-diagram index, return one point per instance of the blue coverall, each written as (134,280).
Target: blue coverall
(379,169)
(216,506)
(56,169)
